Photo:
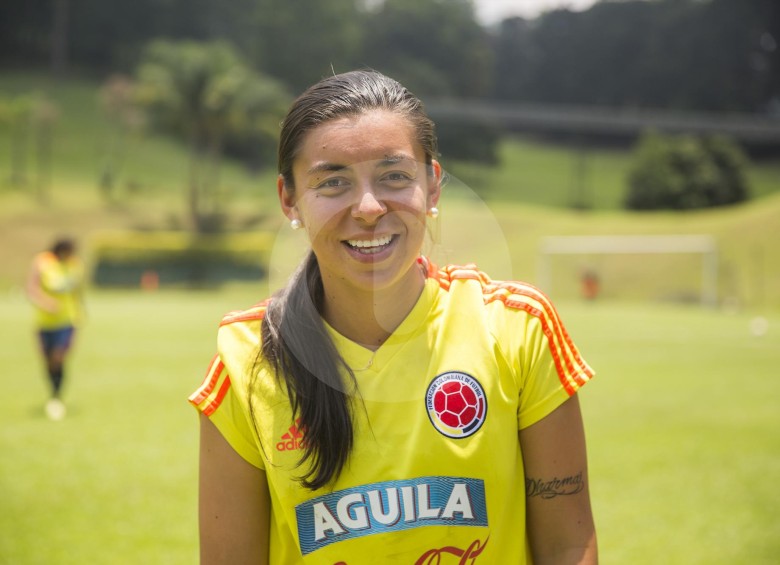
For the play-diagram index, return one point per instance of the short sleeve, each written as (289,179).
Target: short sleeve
(218,399)
(551,367)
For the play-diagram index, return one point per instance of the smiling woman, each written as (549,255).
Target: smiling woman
(379,408)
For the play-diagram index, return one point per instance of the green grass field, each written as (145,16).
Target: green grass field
(682,422)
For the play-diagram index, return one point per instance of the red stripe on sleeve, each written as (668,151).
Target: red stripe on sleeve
(572,370)
(214,404)
(209,382)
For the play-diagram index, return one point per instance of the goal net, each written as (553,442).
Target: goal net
(646,267)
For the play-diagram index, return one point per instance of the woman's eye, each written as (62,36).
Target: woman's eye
(397,177)
(333,183)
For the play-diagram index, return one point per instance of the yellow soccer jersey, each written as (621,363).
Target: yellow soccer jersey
(60,280)
(436,475)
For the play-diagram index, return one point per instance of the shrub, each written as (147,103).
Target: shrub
(686,172)
(178,258)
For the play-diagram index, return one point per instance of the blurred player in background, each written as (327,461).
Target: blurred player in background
(54,287)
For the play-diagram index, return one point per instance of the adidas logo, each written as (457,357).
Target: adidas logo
(293,439)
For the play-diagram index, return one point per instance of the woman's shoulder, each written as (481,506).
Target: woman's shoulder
(239,340)
(514,294)
(254,313)
(239,333)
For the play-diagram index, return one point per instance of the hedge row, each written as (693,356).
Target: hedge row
(152,259)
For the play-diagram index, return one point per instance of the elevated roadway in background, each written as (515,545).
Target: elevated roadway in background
(751,129)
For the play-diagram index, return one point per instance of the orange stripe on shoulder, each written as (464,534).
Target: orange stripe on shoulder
(217,379)
(214,404)
(209,382)
(572,370)
(450,273)
(256,312)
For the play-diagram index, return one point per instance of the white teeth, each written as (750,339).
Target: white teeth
(378,242)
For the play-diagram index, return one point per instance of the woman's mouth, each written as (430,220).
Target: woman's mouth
(370,246)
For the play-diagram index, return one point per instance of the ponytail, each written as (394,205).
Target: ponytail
(297,346)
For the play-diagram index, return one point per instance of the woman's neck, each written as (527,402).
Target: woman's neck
(369,317)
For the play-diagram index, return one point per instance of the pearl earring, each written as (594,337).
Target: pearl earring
(296,224)
(433,212)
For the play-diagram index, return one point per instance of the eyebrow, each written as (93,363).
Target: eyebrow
(327,167)
(394,159)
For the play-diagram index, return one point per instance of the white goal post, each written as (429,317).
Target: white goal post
(704,245)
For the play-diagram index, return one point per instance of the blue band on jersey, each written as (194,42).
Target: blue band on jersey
(390,506)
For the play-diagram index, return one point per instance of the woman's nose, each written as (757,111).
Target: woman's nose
(368,208)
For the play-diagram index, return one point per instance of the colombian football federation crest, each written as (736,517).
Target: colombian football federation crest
(456,404)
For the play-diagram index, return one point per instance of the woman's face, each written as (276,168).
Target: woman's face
(362,191)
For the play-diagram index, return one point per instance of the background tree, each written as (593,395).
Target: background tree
(117,101)
(717,55)
(19,110)
(59,37)
(24,32)
(254,122)
(301,42)
(714,55)
(514,48)
(435,47)
(685,172)
(731,164)
(200,91)
(44,116)
(438,50)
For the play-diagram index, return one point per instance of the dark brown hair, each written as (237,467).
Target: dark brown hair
(295,341)
(63,247)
